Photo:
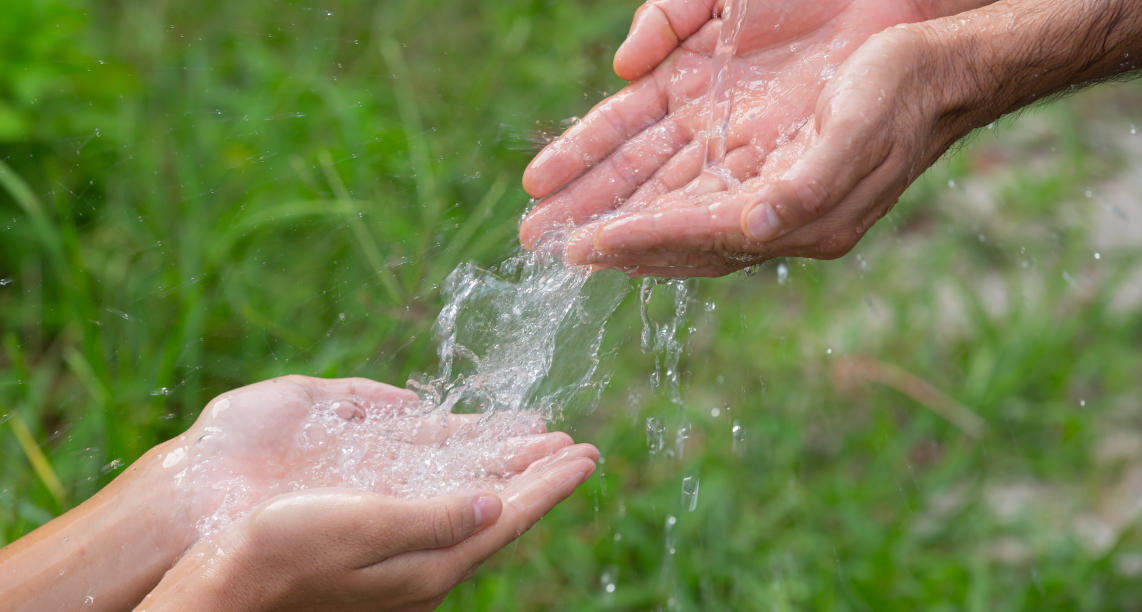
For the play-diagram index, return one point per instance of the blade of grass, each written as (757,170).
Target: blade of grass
(40,463)
(460,240)
(427,187)
(361,233)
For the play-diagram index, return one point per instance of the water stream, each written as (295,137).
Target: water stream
(720,100)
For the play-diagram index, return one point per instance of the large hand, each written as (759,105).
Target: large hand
(648,140)
(331,549)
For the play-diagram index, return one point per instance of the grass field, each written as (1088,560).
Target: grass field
(194,196)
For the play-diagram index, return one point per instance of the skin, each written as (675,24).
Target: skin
(830,126)
(114,548)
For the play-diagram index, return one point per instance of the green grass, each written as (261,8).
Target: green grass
(194,196)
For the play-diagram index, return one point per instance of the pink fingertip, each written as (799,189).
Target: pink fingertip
(547,171)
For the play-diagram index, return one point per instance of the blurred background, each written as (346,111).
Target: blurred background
(198,195)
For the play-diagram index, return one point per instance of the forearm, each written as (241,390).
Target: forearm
(108,552)
(1009,54)
(934,9)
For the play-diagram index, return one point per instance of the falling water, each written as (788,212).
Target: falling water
(721,96)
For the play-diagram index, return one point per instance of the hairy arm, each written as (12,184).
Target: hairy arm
(1015,52)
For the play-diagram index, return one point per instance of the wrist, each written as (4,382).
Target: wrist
(113,548)
(935,9)
(1006,55)
(219,572)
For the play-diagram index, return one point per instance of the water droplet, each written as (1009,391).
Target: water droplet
(89,600)
(655,433)
(4,282)
(782,273)
(1082,403)
(828,351)
(690,486)
(680,440)
(671,521)
(738,435)
(1097,255)
(161,391)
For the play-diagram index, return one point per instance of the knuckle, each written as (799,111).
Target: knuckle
(800,202)
(626,166)
(447,526)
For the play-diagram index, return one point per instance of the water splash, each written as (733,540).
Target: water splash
(499,329)
(517,344)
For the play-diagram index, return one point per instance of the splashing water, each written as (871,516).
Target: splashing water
(517,344)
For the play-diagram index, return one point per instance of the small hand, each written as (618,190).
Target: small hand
(334,549)
(645,146)
(295,432)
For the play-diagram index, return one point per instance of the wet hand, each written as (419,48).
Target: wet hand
(876,126)
(330,549)
(644,148)
(296,432)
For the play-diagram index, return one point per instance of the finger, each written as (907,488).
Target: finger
(829,170)
(604,186)
(438,428)
(658,27)
(612,122)
(437,522)
(532,494)
(518,454)
(577,451)
(713,227)
(685,173)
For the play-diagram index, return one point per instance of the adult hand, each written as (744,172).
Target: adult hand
(331,549)
(809,95)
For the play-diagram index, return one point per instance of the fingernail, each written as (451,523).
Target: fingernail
(762,223)
(488,508)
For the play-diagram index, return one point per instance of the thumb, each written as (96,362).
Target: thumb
(439,522)
(658,27)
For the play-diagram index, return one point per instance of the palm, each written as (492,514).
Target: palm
(647,143)
(296,433)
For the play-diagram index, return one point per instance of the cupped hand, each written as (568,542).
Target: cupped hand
(640,154)
(336,549)
(295,432)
